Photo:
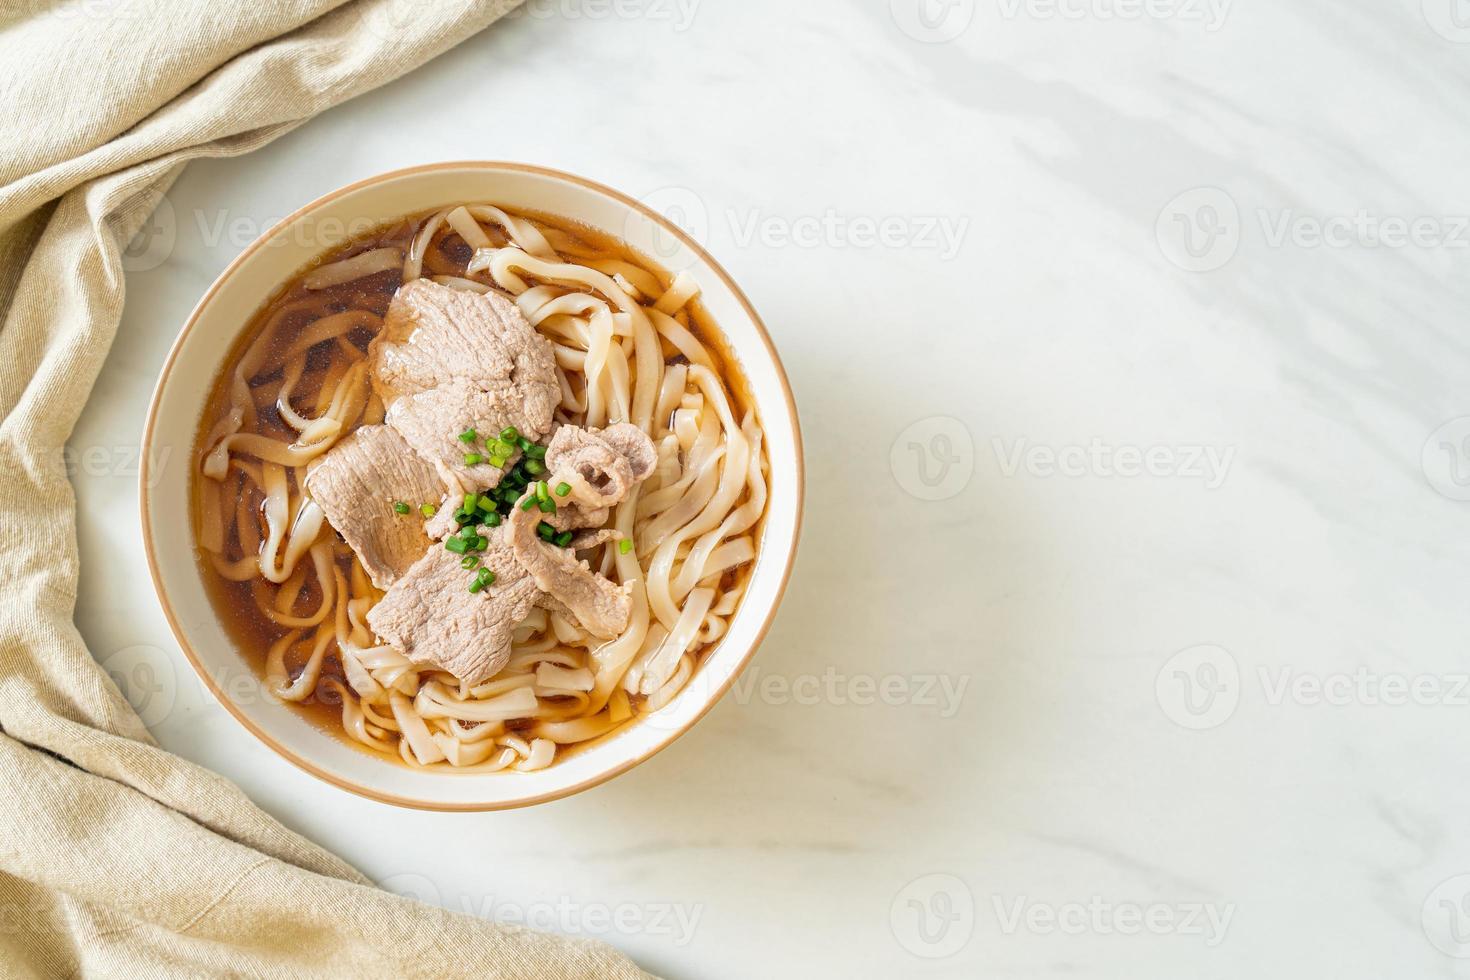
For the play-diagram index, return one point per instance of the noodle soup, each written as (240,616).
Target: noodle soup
(628,350)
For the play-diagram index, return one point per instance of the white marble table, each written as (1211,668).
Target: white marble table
(1127,637)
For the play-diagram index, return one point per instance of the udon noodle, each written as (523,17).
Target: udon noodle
(629,346)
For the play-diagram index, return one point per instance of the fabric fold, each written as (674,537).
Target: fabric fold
(116,857)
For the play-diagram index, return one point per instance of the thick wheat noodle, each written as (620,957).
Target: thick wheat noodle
(611,322)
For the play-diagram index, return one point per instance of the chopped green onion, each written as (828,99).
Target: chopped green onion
(492,519)
(541,491)
(476,585)
(428,510)
(400,506)
(536,452)
(509,434)
(563,539)
(468,561)
(457,545)
(486,576)
(471,501)
(547,506)
(528,503)
(524,443)
(500,448)
(473,459)
(534,468)
(625,546)
(497,461)
(468,532)
(546,530)
(481,544)
(563,488)
(468,435)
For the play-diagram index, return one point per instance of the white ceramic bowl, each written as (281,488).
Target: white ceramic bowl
(197,357)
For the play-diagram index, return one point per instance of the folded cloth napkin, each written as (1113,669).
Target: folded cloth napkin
(117,858)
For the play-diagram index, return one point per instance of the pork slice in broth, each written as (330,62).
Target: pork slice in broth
(358,482)
(432,617)
(448,360)
(599,469)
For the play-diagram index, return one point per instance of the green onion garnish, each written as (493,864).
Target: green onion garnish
(528,503)
(497,461)
(468,435)
(536,452)
(492,519)
(476,585)
(473,459)
(546,530)
(486,576)
(547,506)
(534,468)
(481,544)
(457,545)
(563,539)
(563,488)
(625,546)
(428,510)
(468,561)
(400,506)
(509,434)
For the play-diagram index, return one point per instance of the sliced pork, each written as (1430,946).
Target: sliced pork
(357,483)
(449,360)
(433,618)
(599,468)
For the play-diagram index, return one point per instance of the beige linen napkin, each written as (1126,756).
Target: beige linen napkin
(117,858)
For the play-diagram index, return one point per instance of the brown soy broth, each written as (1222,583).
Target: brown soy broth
(234,602)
